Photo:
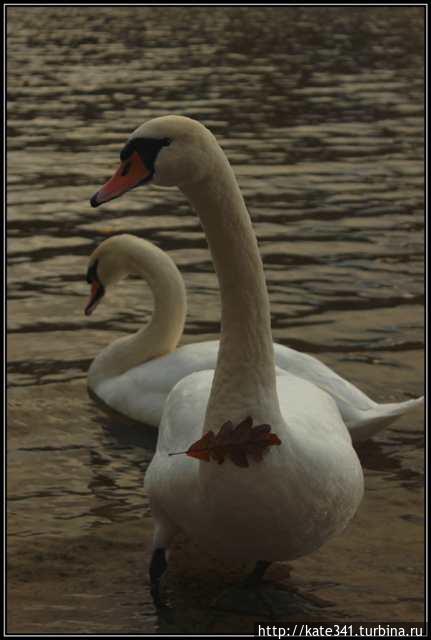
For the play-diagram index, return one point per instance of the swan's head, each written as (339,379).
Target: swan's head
(167,151)
(107,265)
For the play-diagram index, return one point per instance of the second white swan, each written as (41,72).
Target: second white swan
(135,374)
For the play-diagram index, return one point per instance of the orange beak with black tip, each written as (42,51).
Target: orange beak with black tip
(130,174)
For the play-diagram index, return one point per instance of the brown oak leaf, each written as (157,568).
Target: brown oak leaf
(235,443)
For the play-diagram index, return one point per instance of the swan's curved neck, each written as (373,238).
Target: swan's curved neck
(164,331)
(244,382)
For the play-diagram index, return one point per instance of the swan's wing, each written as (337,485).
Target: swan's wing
(184,412)
(308,410)
(348,397)
(362,416)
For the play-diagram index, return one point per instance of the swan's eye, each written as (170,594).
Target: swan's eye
(126,168)
(147,148)
(92,273)
(127,151)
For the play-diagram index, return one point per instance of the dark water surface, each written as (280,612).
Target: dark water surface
(320,111)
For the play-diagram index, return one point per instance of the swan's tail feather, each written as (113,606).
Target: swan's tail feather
(380,416)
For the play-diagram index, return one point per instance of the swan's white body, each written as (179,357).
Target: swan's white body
(284,507)
(135,374)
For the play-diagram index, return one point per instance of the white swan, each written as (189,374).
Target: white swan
(134,374)
(303,491)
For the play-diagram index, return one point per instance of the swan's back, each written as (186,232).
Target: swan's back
(141,392)
(303,365)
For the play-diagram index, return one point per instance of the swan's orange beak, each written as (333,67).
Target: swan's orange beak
(97,293)
(130,174)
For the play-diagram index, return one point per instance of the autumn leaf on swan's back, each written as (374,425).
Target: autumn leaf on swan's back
(235,443)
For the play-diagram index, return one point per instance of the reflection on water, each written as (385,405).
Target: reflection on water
(320,111)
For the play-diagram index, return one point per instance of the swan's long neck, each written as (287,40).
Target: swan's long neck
(244,381)
(164,331)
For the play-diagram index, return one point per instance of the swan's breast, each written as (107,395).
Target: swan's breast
(302,492)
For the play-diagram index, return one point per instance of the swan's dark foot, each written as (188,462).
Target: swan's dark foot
(254,579)
(158,567)
(252,597)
